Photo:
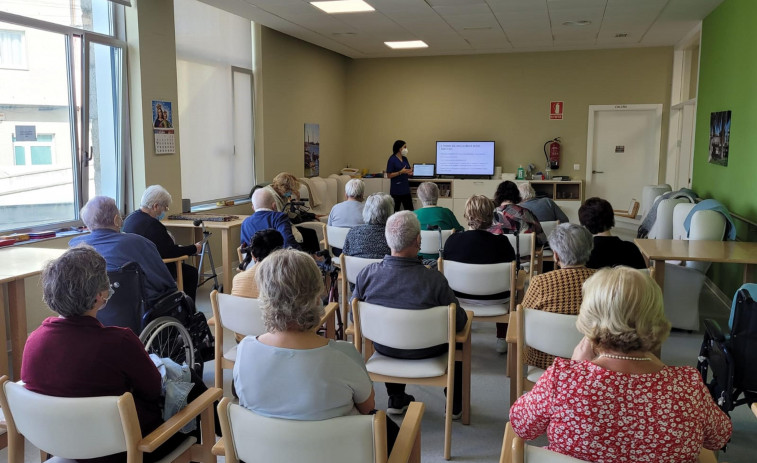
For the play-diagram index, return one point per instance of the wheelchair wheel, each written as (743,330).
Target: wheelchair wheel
(166,337)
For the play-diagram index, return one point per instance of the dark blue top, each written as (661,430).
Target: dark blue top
(400,184)
(261,220)
(120,248)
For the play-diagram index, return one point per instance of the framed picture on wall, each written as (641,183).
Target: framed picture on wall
(720,135)
(312,150)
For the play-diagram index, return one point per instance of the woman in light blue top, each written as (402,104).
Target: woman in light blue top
(290,371)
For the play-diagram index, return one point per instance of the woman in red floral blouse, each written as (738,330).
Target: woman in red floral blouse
(614,401)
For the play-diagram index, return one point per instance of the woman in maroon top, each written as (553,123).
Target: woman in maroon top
(74,355)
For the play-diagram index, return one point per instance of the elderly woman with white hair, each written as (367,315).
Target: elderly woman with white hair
(291,372)
(146,222)
(349,212)
(544,209)
(615,400)
(368,240)
(431,214)
(559,291)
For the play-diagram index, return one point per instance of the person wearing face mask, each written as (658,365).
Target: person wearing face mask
(146,222)
(398,170)
(102,217)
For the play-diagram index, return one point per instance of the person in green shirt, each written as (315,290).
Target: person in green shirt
(432,215)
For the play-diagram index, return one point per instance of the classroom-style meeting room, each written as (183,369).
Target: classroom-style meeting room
(527,237)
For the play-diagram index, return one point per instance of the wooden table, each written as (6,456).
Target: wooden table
(226,229)
(16,264)
(735,252)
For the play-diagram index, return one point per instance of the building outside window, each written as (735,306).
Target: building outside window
(62,69)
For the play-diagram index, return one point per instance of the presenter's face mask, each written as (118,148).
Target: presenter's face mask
(404,151)
(288,194)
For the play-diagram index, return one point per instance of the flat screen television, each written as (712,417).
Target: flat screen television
(465,158)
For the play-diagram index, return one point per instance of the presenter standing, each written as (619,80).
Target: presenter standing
(398,170)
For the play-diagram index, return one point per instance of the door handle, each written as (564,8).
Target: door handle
(597,172)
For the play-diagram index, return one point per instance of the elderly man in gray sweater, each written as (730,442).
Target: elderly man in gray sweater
(401,281)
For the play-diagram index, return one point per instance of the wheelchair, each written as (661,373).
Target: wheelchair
(172,328)
(726,360)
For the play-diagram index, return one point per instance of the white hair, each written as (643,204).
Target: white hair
(355,188)
(526,191)
(428,193)
(402,229)
(572,243)
(262,199)
(378,207)
(155,195)
(99,212)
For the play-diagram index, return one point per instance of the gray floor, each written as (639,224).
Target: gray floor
(481,441)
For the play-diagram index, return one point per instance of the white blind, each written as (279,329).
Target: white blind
(216,150)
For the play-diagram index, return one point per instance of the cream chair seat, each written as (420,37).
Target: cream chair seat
(416,329)
(335,237)
(551,333)
(345,439)
(546,254)
(515,450)
(525,247)
(430,241)
(350,267)
(89,427)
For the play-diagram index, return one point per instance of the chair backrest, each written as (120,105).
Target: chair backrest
(706,225)
(351,266)
(662,229)
(341,182)
(649,194)
(255,438)
(127,305)
(74,428)
(478,279)
(239,314)
(680,212)
(549,226)
(526,245)
(430,241)
(404,328)
(551,333)
(336,236)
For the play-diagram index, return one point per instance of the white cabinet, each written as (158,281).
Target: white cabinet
(375,185)
(464,189)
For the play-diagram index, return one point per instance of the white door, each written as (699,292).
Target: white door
(623,152)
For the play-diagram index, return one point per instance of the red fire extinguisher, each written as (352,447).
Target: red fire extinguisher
(553,157)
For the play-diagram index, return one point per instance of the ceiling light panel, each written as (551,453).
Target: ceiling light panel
(343,6)
(406,44)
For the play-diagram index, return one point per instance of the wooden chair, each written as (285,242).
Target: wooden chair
(3,431)
(179,274)
(633,210)
(430,241)
(242,315)
(416,329)
(89,427)
(551,333)
(350,267)
(362,438)
(530,257)
(485,280)
(515,450)
(335,237)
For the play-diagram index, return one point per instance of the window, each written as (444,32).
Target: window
(12,49)
(72,95)
(34,153)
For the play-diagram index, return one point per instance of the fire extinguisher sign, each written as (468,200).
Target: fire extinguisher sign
(556,110)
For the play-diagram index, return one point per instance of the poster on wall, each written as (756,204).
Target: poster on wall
(312,150)
(720,135)
(162,116)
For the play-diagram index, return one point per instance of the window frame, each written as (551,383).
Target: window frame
(79,132)
(24,65)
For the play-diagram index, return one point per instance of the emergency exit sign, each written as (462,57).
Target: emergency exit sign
(556,110)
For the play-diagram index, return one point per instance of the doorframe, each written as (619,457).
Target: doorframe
(594,109)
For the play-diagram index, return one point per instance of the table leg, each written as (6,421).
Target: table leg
(4,355)
(227,271)
(658,272)
(749,274)
(17,312)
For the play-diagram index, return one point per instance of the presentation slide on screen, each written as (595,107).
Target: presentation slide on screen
(465,157)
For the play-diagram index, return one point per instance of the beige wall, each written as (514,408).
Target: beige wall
(302,83)
(503,97)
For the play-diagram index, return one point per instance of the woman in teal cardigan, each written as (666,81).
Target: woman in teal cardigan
(432,215)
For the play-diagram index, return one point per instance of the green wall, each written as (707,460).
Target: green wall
(728,81)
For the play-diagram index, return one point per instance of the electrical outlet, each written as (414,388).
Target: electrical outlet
(576,166)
